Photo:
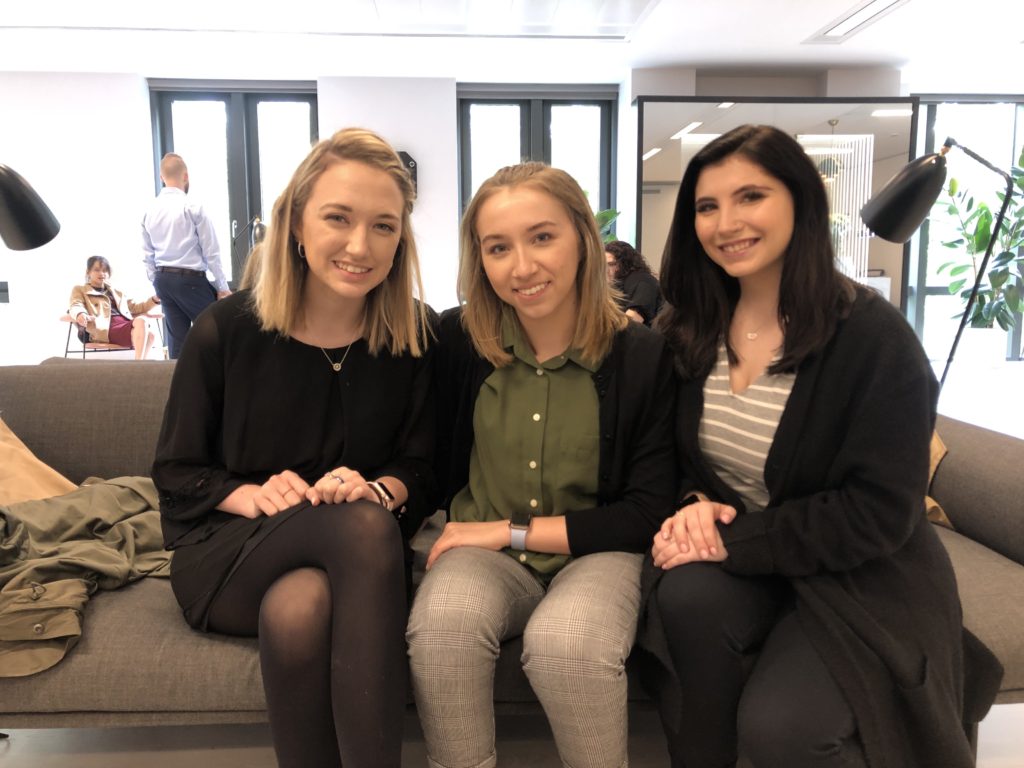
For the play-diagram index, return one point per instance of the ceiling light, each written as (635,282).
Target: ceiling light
(652,153)
(892,112)
(726,104)
(854,21)
(679,134)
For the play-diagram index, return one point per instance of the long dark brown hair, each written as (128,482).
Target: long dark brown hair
(813,294)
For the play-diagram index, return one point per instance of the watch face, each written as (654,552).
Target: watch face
(521,519)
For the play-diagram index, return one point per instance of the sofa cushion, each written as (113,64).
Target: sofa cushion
(23,477)
(976,484)
(137,654)
(985,579)
(88,417)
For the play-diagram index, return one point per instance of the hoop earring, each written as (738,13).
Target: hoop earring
(302,251)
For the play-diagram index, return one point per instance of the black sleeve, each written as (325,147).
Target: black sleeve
(644,298)
(412,462)
(188,470)
(644,456)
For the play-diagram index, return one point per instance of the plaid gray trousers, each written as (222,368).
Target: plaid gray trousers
(576,637)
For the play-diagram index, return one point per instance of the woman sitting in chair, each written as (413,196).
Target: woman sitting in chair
(104,314)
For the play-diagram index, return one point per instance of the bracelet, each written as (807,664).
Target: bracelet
(384,497)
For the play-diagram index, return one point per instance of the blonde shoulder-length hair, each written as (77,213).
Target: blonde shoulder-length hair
(395,320)
(599,317)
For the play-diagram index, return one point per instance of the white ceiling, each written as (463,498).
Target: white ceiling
(973,46)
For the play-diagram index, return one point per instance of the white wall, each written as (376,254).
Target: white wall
(417,115)
(84,143)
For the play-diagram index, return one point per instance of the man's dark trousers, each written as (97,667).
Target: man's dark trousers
(183,295)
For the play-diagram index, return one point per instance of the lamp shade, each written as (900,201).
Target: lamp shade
(896,212)
(25,221)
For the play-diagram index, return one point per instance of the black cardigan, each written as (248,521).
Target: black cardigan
(875,591)
(636,467)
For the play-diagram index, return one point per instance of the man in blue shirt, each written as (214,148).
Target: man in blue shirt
(180,245)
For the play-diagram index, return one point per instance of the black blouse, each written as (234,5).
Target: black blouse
(245,404)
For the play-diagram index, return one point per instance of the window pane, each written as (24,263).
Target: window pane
(283,130)
(991,131)
(576,146)
(494,140)
(200,137)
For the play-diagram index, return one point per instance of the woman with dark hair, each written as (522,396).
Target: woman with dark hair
(103,313)
(294,459)
(803,427)
(639,293)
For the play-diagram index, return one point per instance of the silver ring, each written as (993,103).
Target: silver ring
(336,477)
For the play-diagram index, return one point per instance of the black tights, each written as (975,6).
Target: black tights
(325,593)
(788,713)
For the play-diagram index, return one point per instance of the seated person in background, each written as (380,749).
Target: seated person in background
(628,272)
(105,314)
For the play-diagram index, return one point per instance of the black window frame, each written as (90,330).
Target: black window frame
(241,100)
(535,103)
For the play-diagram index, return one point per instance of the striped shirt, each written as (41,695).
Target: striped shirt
(736,431)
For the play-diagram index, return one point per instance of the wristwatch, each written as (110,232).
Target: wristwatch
(384,496)
(519,526)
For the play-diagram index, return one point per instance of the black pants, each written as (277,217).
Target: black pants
(182,298)
(785,712)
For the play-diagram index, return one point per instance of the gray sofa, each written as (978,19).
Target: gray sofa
(139,664)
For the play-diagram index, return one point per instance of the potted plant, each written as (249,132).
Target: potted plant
(1000,298)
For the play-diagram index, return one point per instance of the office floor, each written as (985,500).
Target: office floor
(248,746)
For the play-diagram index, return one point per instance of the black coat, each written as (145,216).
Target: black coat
(845,524)
(636,467)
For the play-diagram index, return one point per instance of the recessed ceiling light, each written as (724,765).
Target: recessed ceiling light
(903,112)
(679,134)
(854,20)
(652,153)
(726,104)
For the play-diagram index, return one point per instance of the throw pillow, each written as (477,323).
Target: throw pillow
(23,477)
(932,508)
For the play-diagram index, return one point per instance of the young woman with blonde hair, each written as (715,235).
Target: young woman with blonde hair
(556,456)
(294,456)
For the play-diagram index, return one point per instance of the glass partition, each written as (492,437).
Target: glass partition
(857,145)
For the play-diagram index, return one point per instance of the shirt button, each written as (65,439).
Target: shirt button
(38,628)
(533,503)
(536,417)
(540,371)
(522,558)
(533,465)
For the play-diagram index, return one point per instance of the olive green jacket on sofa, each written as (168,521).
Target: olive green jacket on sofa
(56,552)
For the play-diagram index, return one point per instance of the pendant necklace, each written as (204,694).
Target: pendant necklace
(337,365)
(752,335)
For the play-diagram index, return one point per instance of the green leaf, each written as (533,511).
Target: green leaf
(943,267)
(954,185)
(956,285)
(1012,294)
(959,270)
(998,277)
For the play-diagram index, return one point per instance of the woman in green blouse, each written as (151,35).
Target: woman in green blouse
(557,467)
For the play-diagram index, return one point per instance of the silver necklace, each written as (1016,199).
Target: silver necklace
(337,365)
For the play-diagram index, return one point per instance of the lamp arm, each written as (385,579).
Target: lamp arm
(984,261)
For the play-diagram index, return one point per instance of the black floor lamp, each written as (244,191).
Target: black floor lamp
(25,221)
(895,213)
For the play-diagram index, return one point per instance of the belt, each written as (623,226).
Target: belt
(180,271)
